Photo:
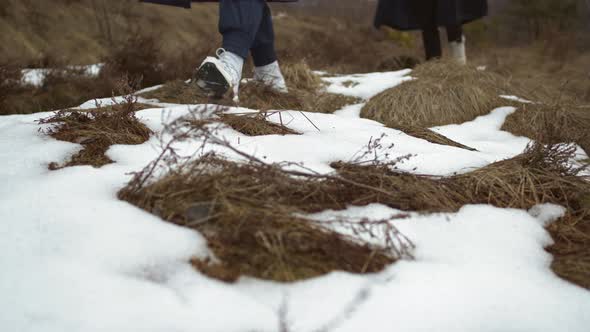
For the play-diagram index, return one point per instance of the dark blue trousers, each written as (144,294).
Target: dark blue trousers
(246,26)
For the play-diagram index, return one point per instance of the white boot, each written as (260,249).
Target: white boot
(218,75)
(271,76)
(457,51)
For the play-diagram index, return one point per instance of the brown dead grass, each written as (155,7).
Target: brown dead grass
(235,202)
(10,74)
(300,76)
(249,124)
(328,102)
(537,176)
(96,130)
(432,136)
(548,66)
(571,250)
(248,215)
(63,88)
(255,125)
(551,123)
(442,93)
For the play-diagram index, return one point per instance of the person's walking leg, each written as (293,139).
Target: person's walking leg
(263,46)
(239,21)
(430,33)
(266,66)
(457,43)
(454,33)
(431,39)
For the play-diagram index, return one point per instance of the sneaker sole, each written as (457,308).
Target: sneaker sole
(211,81)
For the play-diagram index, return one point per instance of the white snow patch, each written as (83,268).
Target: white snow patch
(515,98)
(36,76)
(366,86)
(547,213)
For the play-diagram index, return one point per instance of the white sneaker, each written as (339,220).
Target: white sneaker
(271,76)
(216,76)
(457,51)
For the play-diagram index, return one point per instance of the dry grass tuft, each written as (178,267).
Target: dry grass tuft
(328,102)
(260,97)
(571,250)
(249,124)
(249,215)
(432,136)
(178,92)
(299,76)
(443,93)
(539,175)
(255,125)
(551,123)
(96,130)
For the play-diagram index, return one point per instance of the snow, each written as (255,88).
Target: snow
(36,76)
(368,85)
(515,98)
(75,258)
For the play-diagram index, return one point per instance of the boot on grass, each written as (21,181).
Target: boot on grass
(271,76)
(217,75)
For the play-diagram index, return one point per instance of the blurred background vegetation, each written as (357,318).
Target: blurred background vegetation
(544,41)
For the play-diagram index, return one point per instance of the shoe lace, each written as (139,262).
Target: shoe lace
(219,52)
(229,66)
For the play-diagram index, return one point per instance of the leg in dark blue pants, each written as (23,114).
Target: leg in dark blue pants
(246,26)
(263,48)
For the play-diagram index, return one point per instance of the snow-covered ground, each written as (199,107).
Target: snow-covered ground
(75,258)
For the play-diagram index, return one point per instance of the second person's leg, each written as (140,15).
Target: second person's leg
(457,43)
(431,39)
(239,22)
(430,35)
(266,66)
(263,44)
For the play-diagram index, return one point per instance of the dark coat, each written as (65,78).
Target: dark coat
(407,14)
(187,3)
